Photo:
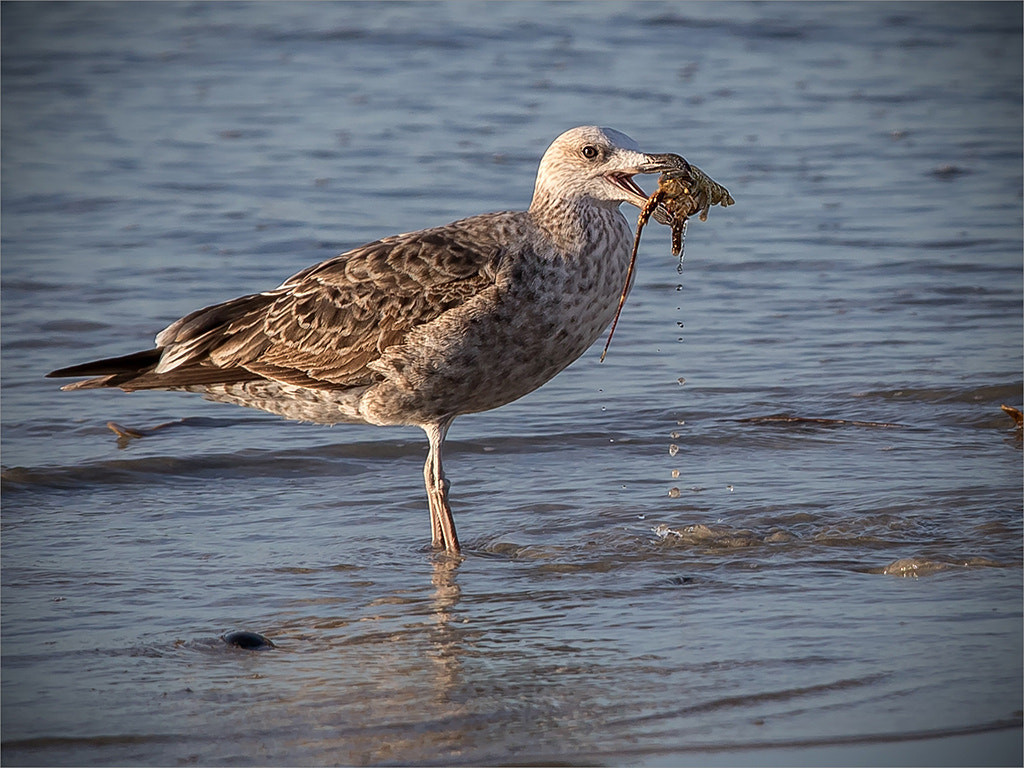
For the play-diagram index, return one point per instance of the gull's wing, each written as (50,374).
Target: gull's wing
(323,326)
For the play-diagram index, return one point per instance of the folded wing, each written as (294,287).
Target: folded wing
(323,326)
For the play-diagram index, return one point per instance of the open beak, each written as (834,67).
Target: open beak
(651,164)
(634,193)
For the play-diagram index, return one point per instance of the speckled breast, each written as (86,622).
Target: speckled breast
(543,314)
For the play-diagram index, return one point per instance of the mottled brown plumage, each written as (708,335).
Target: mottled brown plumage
(419,328)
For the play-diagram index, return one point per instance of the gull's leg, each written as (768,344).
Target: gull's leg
(442,525)
(435,436)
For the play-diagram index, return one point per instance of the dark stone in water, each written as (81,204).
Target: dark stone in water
(250,641)
(681,580)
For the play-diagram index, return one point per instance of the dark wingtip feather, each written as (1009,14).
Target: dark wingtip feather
(139,362)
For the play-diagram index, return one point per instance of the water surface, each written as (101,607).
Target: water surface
(655,573)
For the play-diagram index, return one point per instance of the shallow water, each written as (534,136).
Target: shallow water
(654,573)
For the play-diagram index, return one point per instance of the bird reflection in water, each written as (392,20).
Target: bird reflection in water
(443,635)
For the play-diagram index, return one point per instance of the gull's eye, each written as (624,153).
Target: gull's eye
(590,152)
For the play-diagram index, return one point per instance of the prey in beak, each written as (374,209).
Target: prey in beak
(683,190)
(653,163)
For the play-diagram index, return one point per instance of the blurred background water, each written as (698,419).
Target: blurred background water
(655,573)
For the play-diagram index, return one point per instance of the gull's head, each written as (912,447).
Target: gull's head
(596,165)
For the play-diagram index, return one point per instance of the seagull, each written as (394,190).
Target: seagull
(419,328)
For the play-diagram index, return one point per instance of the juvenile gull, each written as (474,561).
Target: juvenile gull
(419,328)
